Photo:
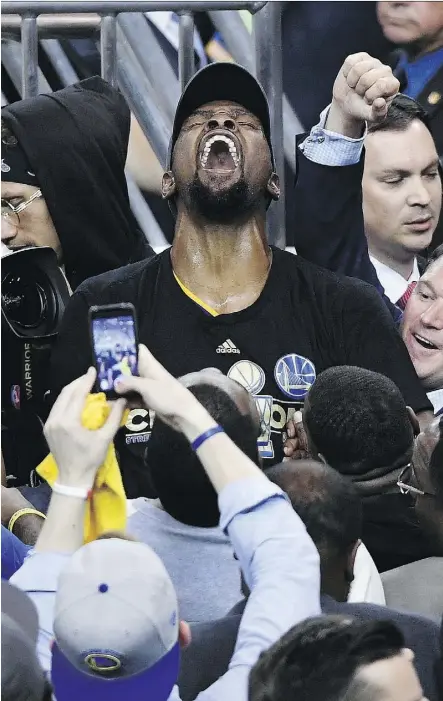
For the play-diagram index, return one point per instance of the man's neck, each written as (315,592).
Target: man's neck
(403,267)
(226,266)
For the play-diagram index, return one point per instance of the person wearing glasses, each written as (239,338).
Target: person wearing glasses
(418,586)
(63,179)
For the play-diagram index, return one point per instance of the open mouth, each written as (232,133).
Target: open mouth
(220,153)
(424,342)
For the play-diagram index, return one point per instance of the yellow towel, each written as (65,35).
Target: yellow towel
(106,508)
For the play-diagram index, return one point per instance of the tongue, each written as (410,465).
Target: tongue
(220,157)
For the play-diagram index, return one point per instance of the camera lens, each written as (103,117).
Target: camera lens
(24,299)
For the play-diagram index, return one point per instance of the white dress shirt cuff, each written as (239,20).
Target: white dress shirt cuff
(329,148)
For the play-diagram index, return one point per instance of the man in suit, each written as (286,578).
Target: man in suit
(417,28)
(314,491)
(401,196)
(387,202)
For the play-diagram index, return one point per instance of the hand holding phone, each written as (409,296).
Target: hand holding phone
(114,339)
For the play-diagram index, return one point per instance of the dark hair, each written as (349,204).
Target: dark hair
(320,660)
(436,255)
(436,467)
(402,111)
(358,420)
(177,474)
(327,503)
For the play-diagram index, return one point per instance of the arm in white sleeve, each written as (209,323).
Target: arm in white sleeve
(329,148)
(38,577)
(282,568)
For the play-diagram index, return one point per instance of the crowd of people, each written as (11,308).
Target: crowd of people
(259,514)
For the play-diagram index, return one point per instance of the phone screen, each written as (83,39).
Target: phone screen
(115,349)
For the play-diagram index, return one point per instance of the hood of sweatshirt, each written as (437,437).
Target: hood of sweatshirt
(76,141)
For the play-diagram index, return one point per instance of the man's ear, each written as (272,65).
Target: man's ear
(414,421)
(184,634)
(273,186)
(168,185)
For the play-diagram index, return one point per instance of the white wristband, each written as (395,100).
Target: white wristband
(78,492)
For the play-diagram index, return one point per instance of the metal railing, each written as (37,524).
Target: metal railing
(124,60)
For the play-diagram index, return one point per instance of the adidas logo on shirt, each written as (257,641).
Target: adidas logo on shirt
(227,347)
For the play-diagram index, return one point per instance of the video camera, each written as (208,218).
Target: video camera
(34,296)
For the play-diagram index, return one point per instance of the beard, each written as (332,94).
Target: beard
(225,206)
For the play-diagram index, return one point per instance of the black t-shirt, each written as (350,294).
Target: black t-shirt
(306,320)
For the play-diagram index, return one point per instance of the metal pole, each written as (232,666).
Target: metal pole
(268,56)
(144,216)
(236,37)
(59,61)
(149,54)
(108,48)
(142,100)
(49,7)
(29,56)
(53,26)
(186,56)
(12,60)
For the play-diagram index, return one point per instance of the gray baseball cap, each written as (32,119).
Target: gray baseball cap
(115,625)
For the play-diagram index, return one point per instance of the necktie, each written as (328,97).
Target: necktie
(402,302)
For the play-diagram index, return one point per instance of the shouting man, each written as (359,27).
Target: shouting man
(222,296)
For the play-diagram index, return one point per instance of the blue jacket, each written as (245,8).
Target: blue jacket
(13,553)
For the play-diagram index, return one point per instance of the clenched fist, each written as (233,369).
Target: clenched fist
(363,91)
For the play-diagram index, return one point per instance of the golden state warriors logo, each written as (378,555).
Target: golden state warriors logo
(249,375)
(294,375)
(252,377)
(102,662)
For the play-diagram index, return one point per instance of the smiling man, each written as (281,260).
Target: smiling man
(422,329)
(222,297)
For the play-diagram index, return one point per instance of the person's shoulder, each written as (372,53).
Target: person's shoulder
(142,507)
(322,280)
(124,280)
(374,612)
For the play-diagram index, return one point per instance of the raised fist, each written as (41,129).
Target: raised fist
(363,91)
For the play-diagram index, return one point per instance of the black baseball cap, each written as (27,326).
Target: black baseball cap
(222,81)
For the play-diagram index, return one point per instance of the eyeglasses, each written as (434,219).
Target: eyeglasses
(11,213)
(406,488)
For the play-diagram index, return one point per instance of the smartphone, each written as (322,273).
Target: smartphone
(114,339)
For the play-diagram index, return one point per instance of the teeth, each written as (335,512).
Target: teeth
(226,140)
(424,341)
